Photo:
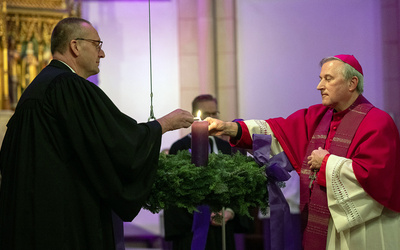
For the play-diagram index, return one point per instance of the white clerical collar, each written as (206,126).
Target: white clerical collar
(68,66)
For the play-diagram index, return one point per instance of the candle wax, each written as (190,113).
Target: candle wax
(200,143)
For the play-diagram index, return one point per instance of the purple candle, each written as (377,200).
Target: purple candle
(200,143)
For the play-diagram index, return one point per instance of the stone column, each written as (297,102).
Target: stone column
(207,53)
(188,54)
(390,13)
(206,47)
(226,58)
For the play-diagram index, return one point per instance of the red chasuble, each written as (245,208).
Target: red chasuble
(375,149)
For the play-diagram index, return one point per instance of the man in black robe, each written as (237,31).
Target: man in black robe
(178,221)
(70,157)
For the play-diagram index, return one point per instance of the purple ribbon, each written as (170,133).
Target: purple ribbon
(277,170)
(201,223)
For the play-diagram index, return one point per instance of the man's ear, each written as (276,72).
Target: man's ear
(353,83)
(73,46)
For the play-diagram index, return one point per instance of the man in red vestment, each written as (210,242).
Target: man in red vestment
(347,153)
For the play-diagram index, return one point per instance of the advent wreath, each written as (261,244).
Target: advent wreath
(234,181)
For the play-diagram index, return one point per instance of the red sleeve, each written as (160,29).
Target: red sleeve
(245,140)
(295,132)
(321,176)
(375,152)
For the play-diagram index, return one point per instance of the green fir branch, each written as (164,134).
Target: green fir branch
(234,181)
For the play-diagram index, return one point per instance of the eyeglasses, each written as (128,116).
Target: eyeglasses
(99,43)
(210,114)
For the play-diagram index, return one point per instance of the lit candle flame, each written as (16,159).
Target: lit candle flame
(198,117)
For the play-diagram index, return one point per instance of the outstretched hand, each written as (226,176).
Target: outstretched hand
(218,127)
(177,119)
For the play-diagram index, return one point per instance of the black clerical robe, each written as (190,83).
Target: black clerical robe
(70,157)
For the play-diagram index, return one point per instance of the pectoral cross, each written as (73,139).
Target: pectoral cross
(312,177)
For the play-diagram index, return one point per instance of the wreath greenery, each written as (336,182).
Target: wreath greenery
(234,181)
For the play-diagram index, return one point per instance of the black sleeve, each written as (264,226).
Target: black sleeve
(119,156)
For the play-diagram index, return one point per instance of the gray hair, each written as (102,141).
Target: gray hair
(66,30)
(348,72)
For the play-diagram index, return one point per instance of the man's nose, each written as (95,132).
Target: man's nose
(320,85)
(102,54)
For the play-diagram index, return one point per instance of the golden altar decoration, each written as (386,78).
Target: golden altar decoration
(25,34)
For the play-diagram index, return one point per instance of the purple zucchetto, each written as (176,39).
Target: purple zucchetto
(352,61)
